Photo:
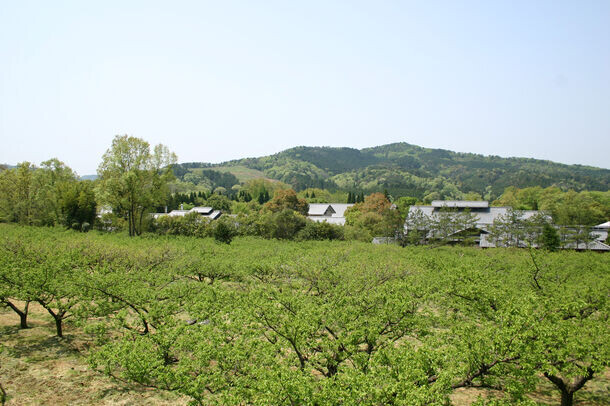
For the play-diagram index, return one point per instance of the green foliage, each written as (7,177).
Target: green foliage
(409,170)
(286,224)
(550,238)
(567,208)
(190,225)
(219,202)
(287,200)
(224,231)
(208,178)
(32,195)
(132,180)
(403,204)
(77,204)
(376,216)
(315,195)
(317,322)
(261,190)
(321,231)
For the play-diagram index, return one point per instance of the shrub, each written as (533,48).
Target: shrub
(321,231)
(224,231)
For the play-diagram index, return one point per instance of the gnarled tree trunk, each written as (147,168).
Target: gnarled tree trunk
(23,314)
(569,388)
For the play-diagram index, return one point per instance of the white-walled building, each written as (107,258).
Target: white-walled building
(333,213)
(484,216)
(207,212)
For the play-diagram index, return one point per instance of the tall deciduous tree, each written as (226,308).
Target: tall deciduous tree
(287,199)
(77,203)
(30,195)
(132,180)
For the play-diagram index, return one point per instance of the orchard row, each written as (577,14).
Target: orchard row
(278,322)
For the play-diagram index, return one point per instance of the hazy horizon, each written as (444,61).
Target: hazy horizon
(222,81)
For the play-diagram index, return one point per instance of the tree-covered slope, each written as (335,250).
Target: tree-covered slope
(405,169)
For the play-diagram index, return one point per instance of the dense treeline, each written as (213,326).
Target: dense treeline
(47,195)
(567,208)
(52,195)
(270,322)
(409,170)
(135,181)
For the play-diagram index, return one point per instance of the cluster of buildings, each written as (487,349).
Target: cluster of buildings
(484,217)
(333,213)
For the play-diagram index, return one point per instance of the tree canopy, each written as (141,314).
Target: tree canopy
(133,180)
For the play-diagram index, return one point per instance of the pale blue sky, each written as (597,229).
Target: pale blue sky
(229,79)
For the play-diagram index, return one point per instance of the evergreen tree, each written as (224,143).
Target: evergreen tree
(550,238)
(263,197)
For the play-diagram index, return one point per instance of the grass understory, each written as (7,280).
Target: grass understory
(37,368)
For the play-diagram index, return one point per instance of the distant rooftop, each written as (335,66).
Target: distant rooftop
(473,204)
(320,209)
(202,210)
(328,209)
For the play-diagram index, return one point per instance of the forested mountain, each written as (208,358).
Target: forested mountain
(405,169)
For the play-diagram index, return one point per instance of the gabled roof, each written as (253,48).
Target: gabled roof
(202,210)
(319,209)
(473,204)
(340,208)
(332,209)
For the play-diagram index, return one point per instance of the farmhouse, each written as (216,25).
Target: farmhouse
(480,222)
(207,212)
(601,231)
(333,213)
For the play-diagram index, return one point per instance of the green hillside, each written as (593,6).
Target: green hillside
(242,173)
(405,169)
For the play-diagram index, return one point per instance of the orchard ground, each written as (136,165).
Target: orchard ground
(329,322)
(37,368)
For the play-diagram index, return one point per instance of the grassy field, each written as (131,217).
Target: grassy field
(241,172)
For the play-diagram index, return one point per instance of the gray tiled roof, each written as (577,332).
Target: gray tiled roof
(175,213)
(340,208)
(473,204)
(318,209)
(202,210)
